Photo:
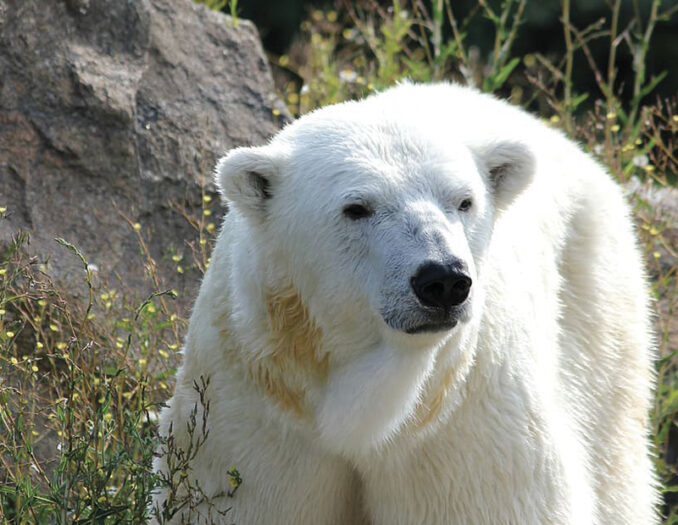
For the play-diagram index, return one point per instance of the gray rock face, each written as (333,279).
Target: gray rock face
(110,107)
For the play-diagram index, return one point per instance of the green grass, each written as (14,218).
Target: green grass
(81,382)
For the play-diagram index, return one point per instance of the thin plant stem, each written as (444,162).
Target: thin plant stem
(569,59)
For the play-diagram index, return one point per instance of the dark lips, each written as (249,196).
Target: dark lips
(432,327)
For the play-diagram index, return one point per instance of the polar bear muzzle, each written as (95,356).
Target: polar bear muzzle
(441,289)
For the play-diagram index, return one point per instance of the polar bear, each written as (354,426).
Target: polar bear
(426,307)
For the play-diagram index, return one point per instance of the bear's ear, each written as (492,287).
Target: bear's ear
(509,166)
(247,178)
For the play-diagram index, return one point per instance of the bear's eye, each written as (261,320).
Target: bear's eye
(357,211)
(465,205)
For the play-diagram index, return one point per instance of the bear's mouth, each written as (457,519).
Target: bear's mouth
(425,320)
(430,320)
(432,327)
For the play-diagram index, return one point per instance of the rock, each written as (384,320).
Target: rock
(119,108)
(658,205)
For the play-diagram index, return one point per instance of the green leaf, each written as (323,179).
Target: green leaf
(495,81)
(670,404)
(649,87)
(667,358)
(578,100)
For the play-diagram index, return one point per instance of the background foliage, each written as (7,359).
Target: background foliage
(81,383)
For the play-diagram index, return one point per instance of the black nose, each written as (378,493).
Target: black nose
(441,285)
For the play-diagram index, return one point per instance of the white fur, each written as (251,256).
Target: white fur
(531,410)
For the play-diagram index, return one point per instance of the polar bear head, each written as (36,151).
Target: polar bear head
(375,222)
